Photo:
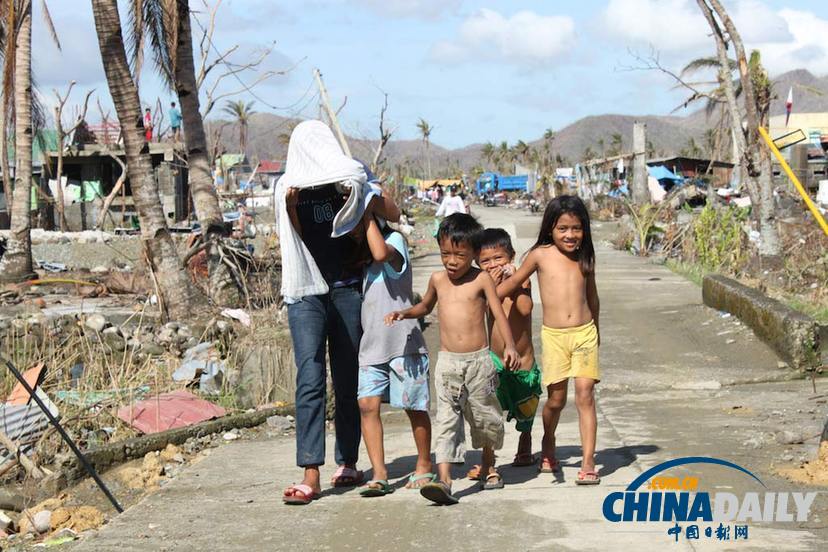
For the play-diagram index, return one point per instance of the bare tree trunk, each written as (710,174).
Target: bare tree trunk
(757,163)
(59,204)
(222,287)
(4,159)
(116,189)
(176,290)
(16,264)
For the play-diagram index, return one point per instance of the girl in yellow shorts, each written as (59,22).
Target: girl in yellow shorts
(564,258)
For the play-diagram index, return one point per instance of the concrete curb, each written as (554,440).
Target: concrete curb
(112,454)
(793,335)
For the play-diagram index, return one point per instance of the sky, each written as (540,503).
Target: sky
(477,71)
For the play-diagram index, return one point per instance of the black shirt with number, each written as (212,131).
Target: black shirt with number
(338,259)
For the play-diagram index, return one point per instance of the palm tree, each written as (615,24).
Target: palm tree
(756,92)
(241,111)
(616,143)
(16,264)
(504,157)
(488,152)
(521,151)
(175,288)
(171,39)
(425,131)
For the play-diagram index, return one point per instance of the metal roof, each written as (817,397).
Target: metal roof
(25,424)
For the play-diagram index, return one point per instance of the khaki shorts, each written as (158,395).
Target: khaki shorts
(570,353)
(466,388)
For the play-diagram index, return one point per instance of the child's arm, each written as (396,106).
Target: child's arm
(592,302)
(511,284)
(381,252)
(385,207)
(511,359)
(291,201)
(419,310)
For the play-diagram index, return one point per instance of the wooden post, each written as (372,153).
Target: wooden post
(331,113)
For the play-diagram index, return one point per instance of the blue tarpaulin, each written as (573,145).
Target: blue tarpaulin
(660,172)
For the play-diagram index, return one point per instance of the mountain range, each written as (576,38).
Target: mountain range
(669,135)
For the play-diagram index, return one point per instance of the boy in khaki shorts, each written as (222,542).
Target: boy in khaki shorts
(466,378)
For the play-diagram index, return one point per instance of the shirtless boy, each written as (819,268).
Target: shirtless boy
(519,391)
(466,378)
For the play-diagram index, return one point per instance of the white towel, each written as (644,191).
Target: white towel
(315,158)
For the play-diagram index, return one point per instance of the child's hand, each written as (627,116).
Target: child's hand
(497,274)
(511,359)
(392,317)
(509,270)
(292,197)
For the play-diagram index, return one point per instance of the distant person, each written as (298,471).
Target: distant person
(564,259)
(148,124)
(466,377)
(518,391)
(175,122)
(451,204)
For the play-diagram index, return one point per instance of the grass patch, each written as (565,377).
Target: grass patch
(818,311)
(693,272)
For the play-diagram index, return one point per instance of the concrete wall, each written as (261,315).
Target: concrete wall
(793,335)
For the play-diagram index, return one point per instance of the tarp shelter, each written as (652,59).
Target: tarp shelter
(665,176)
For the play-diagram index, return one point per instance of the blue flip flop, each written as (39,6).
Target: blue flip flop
(414,479)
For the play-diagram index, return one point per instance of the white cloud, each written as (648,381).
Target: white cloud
(423,9)
(788,39)
(807,49)
(525,38)
(669,25)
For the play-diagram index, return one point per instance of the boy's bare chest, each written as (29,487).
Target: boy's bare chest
(462,296)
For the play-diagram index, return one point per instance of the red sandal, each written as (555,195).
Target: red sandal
(549,465)
(300,495)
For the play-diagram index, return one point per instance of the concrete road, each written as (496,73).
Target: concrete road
(679,380)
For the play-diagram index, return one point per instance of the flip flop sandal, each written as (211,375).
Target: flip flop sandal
(308,495)
(415,481)
(524,459)
(438,492)
(588,478)
(490,485)
(346,477)
(549,465)
(380,488)
(474,473)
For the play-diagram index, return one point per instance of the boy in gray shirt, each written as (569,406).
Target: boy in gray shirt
(393,362)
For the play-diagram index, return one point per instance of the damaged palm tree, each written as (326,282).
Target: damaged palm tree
(755,86)
(172,282)
(16,264)
(167,24)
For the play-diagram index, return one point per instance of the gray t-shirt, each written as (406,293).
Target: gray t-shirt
(385,290)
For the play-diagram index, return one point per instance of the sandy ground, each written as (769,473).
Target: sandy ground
(679,380)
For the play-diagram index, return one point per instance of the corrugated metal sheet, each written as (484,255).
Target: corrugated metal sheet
(24,424)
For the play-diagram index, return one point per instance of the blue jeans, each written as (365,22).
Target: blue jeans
(317,320)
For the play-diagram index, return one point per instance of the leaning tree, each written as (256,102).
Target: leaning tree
(178,295)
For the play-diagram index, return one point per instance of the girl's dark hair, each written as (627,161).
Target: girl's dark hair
(573,206)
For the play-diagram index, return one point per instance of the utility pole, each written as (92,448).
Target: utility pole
(331,113)
(640,191)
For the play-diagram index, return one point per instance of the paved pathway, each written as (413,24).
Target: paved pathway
(675,384)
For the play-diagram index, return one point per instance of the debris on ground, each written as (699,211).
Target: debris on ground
(810,473)
(33,376)
(168,411)
(24,424)
(203,362)
(238,314)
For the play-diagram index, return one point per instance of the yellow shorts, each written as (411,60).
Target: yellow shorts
(570,353)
